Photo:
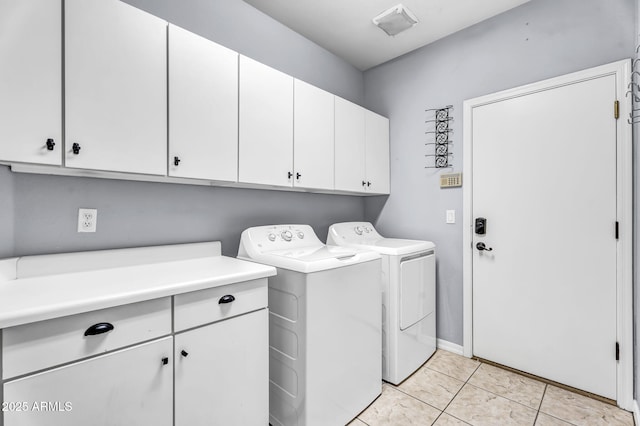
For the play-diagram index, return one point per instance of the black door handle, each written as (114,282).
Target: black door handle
(226,299)
(482,246)
(50,144)
(99,328)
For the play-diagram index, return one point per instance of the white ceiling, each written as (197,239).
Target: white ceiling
(344,27)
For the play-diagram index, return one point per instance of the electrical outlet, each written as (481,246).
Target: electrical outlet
(87,220)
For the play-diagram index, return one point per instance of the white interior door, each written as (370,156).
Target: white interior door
(544,177)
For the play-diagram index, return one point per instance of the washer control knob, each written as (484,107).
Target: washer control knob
(271,237)
(286,235)
(301,235)
(358,230)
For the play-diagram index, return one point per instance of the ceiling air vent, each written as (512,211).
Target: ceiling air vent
(395,20)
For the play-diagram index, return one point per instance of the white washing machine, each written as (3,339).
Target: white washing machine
(324,325)
(408,296)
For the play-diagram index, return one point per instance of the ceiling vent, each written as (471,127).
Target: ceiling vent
(395,20)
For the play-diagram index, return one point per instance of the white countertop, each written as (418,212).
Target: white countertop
(25,300)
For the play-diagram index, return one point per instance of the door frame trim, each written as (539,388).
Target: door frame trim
(624,157)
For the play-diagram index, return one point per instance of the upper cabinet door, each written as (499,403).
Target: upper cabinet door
(313,136)
(377,153)
(31,81)
(350,173)
(203,108)
(116,87)
(266,125)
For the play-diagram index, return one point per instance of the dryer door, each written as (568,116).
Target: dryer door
(417,288)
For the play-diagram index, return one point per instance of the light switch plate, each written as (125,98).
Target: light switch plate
(451,216)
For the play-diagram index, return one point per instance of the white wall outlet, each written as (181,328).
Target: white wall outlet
(451,216)
(87,220)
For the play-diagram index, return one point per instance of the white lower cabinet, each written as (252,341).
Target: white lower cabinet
(130,387)
(222,373)
(125,366)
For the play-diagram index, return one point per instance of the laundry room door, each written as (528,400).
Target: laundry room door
(544,177)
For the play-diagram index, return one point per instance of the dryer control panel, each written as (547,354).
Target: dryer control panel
(355,232)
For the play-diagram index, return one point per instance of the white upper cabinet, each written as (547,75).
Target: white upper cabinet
(361,149)
(115,88)
(350,172)
(266,125)
(203,108)
(377,153)
(313,137)
(31,81)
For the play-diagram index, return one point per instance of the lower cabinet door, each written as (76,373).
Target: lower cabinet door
(131,387)
(222,373)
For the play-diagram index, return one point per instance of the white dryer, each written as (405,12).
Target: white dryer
(324,325)
(408,295)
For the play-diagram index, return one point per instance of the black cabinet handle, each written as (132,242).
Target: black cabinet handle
(226,299)
(289,175)
(165,361)
(368,183)
(176,161)
(184,353)
(75,148)
(364,183)
(99,328)
(50,144)
(298,176)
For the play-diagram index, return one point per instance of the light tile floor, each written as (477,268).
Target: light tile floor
(453,390)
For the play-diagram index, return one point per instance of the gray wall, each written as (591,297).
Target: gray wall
(134,214)
(636,224)
(541,39)
(38,214)
(6,213)
(241,27)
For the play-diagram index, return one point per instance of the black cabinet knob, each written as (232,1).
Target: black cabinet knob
(165,361)
(99,328)
(50,144)
(298,176)
(176,161)
(364,183)
(226,299)
(75,148)
(368,183)
(289,175)
(184,353)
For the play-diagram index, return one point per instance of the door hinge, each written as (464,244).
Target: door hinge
(617,230)
(616,110)
(617,351)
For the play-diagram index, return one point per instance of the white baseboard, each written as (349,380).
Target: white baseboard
(452,347)
(636,412)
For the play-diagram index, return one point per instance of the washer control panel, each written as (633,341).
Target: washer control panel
(281,237)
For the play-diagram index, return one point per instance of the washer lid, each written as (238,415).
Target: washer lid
(363,236)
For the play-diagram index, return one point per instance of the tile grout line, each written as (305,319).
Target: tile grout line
(454,396)
(540,405)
